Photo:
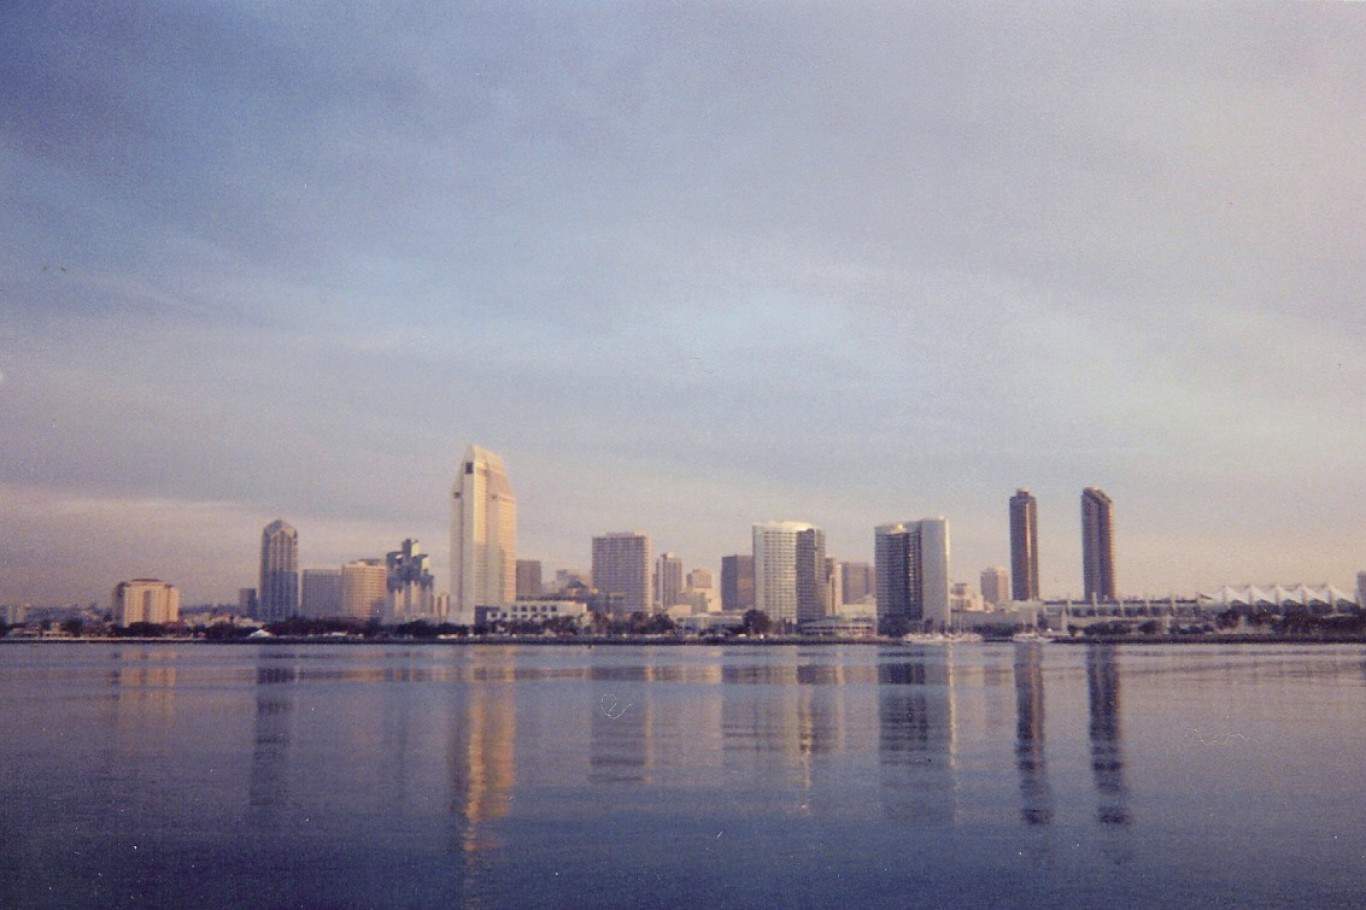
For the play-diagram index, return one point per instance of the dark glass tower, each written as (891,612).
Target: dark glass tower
(1024,546)
(1097,544)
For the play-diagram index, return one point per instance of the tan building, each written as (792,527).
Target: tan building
(700,579)
(529,578)
(621,566)
(145,600)
(668,579)
(364,588)
(995,585)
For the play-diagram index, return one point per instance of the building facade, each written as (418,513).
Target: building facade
(789,571)
(622,569)
(1097,545)
(483,535)
(1024,546)
(737,582)
(700,579)
(911,564)
(144,600)
(410,589)
(322,594)
(995,585)
(668,580)
(529,578)
(364,589)
(277,596)
(857,581)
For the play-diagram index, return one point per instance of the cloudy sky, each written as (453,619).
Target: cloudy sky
(685,267)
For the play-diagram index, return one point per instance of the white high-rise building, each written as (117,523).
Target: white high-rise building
(911,566)
(668,580)
(789,571)
(483,536)
(145,600)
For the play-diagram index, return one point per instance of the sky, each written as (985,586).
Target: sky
(686,267)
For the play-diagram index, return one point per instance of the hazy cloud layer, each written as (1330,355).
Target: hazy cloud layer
(686,269)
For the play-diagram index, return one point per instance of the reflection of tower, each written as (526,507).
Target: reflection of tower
(483,758)
(266,790)
(1035,795)
(916,748)
(1107,759)
(621,744)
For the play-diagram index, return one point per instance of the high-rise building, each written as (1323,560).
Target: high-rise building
(1097,544)
(789,571)
(483,535)
(668,580)
(1024,546)
(364,588)
(322,594)
(277,597)
(529,578)
(995,585)
(700,580)
(857,581)
(911,563)
(1361,589)
(246,602)
(145,600)
(621,569)
(833,596)
(737,582)
(410,589)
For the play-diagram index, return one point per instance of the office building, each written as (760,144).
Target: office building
(410,589)
(246,602)
(622,569)
(144,600)
(322,594)
(789,571)
(833,596)
(737,582)
(483,536)
(528,578)
(1097,545)
(1024,546)
(277,596)
(700,579)
(364,589)
(1361,589)
(995,585)
(857,581)
(668,580)
(911,566)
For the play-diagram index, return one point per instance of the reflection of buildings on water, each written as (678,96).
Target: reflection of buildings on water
(483,756)
(1036,797)
(267,787)
(917,746)
(621,735)
(1107,758)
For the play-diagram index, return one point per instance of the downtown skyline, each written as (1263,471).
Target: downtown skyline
(850,268)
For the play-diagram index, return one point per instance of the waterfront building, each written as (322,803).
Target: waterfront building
(700,579)
(737,582)
(1361,589)
(529,578)
(483,535)
(1024,546)
(364,588)
(789,571)
(322,593)
(537,610)
(621,567)
(911,564)
(856,581)
(1323,598)
(246,602)
(668,580)
(410,589)
(277,596)
(1097,545)
(995,585)
(145,600)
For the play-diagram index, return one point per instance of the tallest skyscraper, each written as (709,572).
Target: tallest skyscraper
(483,536)
(1024,546)
(1098,544)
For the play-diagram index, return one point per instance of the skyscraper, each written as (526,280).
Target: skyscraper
(1361,589)
(621,567)
(700,579)
(857,581)
(911,564)
(364,589)
(1024,546)
(483,536)
(410,589)
(789,571)
(668,580)
(321,593)
(995,585)
(277,596)
(529,578)
(737,582)
(1097,544)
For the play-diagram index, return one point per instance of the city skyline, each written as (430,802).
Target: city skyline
(679,284)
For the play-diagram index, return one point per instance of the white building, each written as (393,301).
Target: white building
(539,611)
(145,600)
(911,565)
(364,589)
(483,536)
(789,571)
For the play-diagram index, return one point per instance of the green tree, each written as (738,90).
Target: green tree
(756,622)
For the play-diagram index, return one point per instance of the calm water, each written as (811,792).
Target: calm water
(542,776)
